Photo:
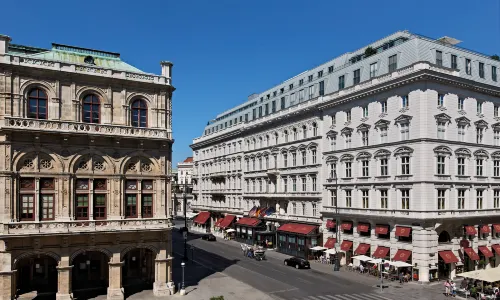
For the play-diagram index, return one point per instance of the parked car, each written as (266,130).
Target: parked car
(209,237)
(297,262)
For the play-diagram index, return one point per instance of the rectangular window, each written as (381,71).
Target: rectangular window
(330,69)
(364,138)
(27,207)
(348,141)
(383,134)
(313,152)
(461,133)
(441,199)
(405,131)
(294,159)
(82,206)
(365,199)
(383,199)
(496,137)
(384,167)
(495,110)
(341,82)
(294,184)
(283,103)
(365,111)
(131,206)
(301,82)
(290,87)
(313,178)
(246,117)
(481,70)
(393,63)
(405,199)
(254,114)
(373,70)
(285,185)
(405,165)
(479,107)
(479,167)
(357,76)
(461,166)
(496,199)
(266,109)
(461,103)
(333,198)
(493,73)
(454,62)
(348,198)
(321,88)
(479,135)
(439,58)
(311,92)
(273,106)
(496,168)
(348,116)
(405,102)
(301,95)
(348,169)
(383,106)
(461,199)
(441,130)
(99,206)
(479,199)
(320,74)
(365,168)
(440,100)
(304,157)
(468,66)
(309,78)
(285,160)
(333,170)
(47,207)
(333,143)
(441,164)
(304,183)
(260,111)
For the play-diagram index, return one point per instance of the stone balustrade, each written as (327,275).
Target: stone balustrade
(51,227)
(71,127)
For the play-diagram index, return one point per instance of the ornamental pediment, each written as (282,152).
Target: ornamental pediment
(331,158)
(346,130)
(346,157)
(403,119)
(331,133)
(382,123)
(463,152)
(481,124)
(481,153)
(363,127)
(496,126)
(462,121)
(382,153)
(442,118)
(363,156)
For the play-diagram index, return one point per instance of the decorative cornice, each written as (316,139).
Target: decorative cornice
(481,124)
(346,130)
(442,117)
(363,127)
(403,119)
(462,121)
(382,123)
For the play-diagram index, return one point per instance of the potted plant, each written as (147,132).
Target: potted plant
(495,57)
(369,51)
(481,264)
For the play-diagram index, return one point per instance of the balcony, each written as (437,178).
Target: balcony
(69,127)
(52,227)
(294,218)
(285,195)
(220,175)
(272,172)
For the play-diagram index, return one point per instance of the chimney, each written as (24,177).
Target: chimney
(4,43)
(166,69)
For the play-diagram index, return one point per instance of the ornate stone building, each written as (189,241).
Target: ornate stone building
(85,147)
(390,151)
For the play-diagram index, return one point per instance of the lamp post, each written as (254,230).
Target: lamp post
(182,292)
(336,267)
(185,220)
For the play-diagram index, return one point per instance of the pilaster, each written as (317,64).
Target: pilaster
(115,289)
(163,285)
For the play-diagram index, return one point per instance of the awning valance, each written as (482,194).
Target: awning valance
(381,252)
(227,221)
(202,217)
(484,229)
(496,247)
(330,224)
(346,226)
(382,229)
(448,256)
(297,228)
(471,253)
(403,231)
(250,222)
(485,251)
(362,249)
(496,227)
(330,243)
(402,255)
(470,230)
(346,245)
(363,227)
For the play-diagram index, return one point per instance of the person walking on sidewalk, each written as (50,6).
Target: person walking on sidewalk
(453,288)
(447,288)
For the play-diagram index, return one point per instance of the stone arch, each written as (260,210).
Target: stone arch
(27,86)
(403,151)
(444,237)
(84,91)
(442,150)
(125,250)
(24,255)
(73,163)
(137,156)
(106,252)
(18,159)
(481,153)
(382,153)
(136,95)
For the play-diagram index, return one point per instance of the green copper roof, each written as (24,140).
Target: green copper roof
(75,55)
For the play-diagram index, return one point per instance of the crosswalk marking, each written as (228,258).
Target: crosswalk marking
(323,297)
(365,296)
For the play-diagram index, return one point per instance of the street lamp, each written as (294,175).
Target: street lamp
(185,220)
(183,289)
(336,267)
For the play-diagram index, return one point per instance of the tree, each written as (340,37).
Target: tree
(495,57)
(370,51)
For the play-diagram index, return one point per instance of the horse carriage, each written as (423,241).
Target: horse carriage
(255,253)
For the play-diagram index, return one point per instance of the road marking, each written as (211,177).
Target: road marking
(283,291)
(323,297)
(376,297)
(313,298)
(303,280)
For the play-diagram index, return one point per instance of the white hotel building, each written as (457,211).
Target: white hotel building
(411,128)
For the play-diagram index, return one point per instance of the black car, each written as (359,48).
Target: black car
(208,237)
(297,262)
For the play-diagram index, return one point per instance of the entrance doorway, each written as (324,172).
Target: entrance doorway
(36,274)
(138,270)
(90,273)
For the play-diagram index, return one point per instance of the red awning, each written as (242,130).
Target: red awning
(330,224)
(471,230)
(346,226)
(448,256)
(496,247)
(403,231)
(402,255)
(484,229)
(471,253)
(496,227)
(346,245)
(297,228)
(381,252)
(226,221)
(362,249)
(330,243)
(250,222)
(218,222)
(363,227)
(485,251)
(202,217)
(382,229)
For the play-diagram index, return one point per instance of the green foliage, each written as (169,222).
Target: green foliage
(495,57)
(370,51)
(217,298)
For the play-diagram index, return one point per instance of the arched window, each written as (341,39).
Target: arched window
(37,100)
(315,129)
(444,237)
(91,109)
(139,113)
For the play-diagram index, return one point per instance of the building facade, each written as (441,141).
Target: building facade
(391,148)
(86,146)
(184,187)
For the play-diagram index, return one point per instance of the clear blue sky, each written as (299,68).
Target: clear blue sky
(224,51)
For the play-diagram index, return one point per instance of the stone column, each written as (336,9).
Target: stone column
(7,275)
(162,286)
(64,289)
(115,289)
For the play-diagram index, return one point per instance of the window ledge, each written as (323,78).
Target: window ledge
(442,175)
(404,176)
(383,176)
(480,176)
(463,176)
(364,177)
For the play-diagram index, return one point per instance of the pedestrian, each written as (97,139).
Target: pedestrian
(447,288)
(400,277)
(453,288)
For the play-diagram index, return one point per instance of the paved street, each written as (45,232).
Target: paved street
(281,282)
